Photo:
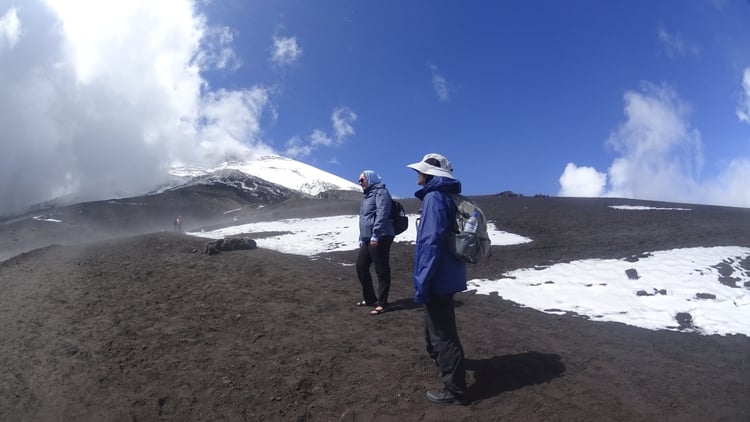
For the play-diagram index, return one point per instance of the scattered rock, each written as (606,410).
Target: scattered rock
(636,258)
(725,274)
(685,320)
(729,281)
(632,274)
(662,292)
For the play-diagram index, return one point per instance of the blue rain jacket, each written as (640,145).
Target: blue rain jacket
(436,270)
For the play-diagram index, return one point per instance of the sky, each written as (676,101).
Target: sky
(648,292)
(639,99)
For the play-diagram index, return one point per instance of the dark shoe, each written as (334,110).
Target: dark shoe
(363,303)
(444,397)
(377,311)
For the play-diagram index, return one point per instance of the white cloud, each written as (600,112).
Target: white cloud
(439,84)
(343,120)
(10,29)
(582,182)
(743,109)
(660,153)
(230,123)
(217,50)
(98,89)
(660,157)
(285,51)
(320,138)
(731,186)
(674,44)
(296,148)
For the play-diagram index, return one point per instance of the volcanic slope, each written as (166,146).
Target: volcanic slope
(146,327)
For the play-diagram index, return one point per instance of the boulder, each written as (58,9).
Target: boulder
(229,244)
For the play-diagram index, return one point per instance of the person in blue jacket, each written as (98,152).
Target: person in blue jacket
(438,275)
(375,238)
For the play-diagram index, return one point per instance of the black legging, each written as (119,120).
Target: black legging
(380,256)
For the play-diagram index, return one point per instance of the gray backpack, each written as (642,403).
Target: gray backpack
(469,240)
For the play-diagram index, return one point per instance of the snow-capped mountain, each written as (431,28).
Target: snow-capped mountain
(280,170)
(251,188)
(265,179)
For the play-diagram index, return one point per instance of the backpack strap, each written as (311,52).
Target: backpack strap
(455,200)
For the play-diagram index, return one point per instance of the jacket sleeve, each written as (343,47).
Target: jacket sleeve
(382,214)
(431,232)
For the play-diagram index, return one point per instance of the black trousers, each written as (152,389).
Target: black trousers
(443,344)
(380,256)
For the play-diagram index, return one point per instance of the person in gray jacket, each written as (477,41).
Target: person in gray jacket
(375,238)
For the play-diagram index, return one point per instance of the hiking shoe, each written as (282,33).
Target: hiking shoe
(444,397)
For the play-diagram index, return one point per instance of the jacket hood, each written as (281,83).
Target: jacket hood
(441,184)
(372,177)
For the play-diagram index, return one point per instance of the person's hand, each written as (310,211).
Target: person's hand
(373,243)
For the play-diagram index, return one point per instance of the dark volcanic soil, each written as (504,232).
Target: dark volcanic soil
(146,327)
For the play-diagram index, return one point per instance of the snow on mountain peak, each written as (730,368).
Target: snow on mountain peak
(280,170)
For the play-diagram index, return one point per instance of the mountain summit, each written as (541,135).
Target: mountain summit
(274,175)
(279,170)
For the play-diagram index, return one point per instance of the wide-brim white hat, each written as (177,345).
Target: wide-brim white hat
(444,169)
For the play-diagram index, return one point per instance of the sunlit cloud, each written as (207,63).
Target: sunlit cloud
(217,50)
(10,29)
(743,109)
(674,44)
(97,89)
(582,182)
(440,84)
(296,148)
(659,151)
(659,157)
(343,120)
(285,51)
(320,138)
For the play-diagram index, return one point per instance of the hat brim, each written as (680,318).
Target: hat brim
(425,168)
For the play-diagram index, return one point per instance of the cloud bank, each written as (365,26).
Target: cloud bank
(99,99)
(660,156)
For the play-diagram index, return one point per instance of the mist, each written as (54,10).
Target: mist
(100,99)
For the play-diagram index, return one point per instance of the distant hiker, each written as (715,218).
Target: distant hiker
(438,275)
(375,238)
(177,224)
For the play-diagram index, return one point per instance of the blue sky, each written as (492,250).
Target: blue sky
(640,99)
